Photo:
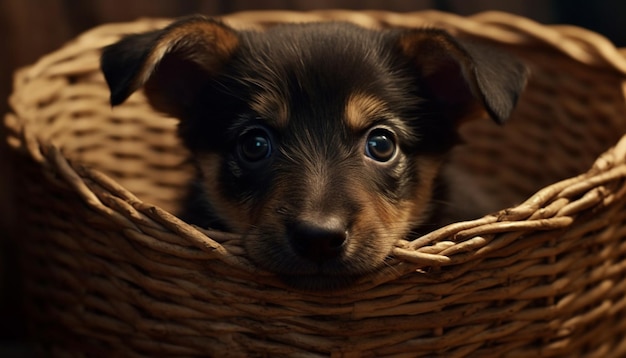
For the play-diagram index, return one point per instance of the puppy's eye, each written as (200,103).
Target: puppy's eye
(380,145)
(255,145)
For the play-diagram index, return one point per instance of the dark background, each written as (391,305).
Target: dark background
(32,28)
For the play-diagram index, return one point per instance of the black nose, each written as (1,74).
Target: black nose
(319,241)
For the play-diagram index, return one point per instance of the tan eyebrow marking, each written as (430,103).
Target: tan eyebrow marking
(361,110)
(271,107)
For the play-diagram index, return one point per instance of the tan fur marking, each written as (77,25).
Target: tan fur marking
(234,215)
(272,108)
(394,221)
(429,168)
(376,229)
(361,109)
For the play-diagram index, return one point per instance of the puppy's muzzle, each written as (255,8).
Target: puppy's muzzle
(318,240)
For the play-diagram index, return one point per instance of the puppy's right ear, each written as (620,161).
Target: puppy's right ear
(172,64)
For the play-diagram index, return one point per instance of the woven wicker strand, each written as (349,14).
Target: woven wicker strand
(109,270)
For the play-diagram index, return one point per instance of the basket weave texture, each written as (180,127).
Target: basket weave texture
(109,271)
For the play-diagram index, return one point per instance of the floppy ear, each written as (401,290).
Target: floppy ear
(172,63)
(464,77)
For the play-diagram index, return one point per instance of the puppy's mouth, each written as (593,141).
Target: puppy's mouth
(317,257)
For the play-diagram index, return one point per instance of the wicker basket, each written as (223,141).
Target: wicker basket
(109,274)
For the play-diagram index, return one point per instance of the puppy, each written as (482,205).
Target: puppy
(320,143)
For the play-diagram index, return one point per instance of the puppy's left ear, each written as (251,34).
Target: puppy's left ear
(173,63)
(464,77)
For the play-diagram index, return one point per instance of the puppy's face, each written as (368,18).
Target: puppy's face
(319,143)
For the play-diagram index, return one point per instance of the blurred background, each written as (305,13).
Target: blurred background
(32,28)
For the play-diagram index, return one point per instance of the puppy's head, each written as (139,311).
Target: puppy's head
(319,143)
